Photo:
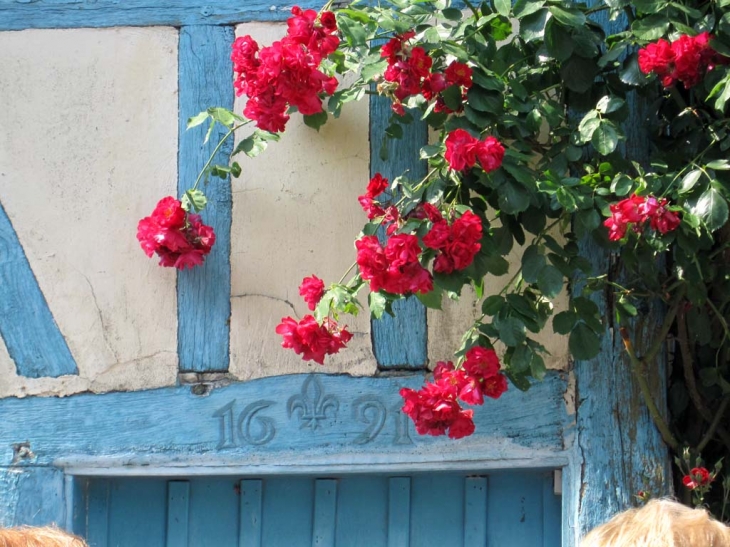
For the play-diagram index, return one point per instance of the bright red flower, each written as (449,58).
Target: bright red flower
(401,250)
(312,290)
(457,244)
(635,211)
(376,186)
(657,57)
(698,476)
(179,239)
(371,207)
(310,339)
(461,149)
(395,268)
(458,74)
(394,46)
(432,85)
(490,153)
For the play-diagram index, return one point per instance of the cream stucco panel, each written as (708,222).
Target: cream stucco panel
(88,144)
(295,213)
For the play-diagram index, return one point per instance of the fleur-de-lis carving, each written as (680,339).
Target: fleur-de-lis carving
(312,405)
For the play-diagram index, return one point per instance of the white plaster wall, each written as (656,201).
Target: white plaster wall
(88,144)
(295,213)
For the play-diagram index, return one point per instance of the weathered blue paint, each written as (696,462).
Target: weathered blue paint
(325,513)
(475,507)
(399,512)
(251,513)
(204,293)
(97,511)
(399,341)
(33,496)
(20,14)
(345,510)
(612,419)
(171,428)
(31,335)
(178,509)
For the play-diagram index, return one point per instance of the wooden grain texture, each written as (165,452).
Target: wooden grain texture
(618,449)
(399,341)
(33,496)
(204,293)
(24,14)
(279,423)
(31,335)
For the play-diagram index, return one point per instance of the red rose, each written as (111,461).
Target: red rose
(458,74)
(312,290)
(460,150)
(490,154)
(698,476)
(169,213)
(376,186)
(310,339)
(657,57)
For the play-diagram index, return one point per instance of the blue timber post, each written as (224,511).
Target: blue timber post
(400,341)
(204,294)
(619,450)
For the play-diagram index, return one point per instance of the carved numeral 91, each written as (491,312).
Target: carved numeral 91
(248,428)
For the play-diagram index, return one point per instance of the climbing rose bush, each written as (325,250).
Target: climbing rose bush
(531,159)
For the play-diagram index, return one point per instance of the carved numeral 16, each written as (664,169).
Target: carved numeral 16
(248,428)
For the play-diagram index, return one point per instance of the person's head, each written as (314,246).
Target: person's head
(48,536)
(660,523)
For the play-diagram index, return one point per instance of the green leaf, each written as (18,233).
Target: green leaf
(194,200)
(652,27)
(712,209)
(621,184)
(521,358)
(198,119)
(255,143)
(492,304)
(224,116)
(315,121)
(537,367)
(571,17)
(631,74)
(579,73)
(513,198)
(452,96)
(564,322)
(452,14)
(609,104)
(532,264)
(503,7)
(558,41)
(496,265)
(588,125)
(605,138)
(689,181)
(532,27)
(354,32)
(511,330)
(719,165)
(376,303)
(550,281)
(370,70)
(523,8)
(583,342)
(431,299)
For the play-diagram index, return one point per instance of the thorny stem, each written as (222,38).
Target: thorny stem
(638,366)
(216,149)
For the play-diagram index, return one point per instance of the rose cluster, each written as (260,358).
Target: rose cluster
(409,73)
(698,477)
(179,238)
(457,243)
(685,60)
(435,408)
(394,268)
(307,337)
(287,72)
(463,151)
(635,211)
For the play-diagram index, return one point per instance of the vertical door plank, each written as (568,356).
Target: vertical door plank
(97,534)
(325,513)
(288,512)
(178,508)
(362,511)
(514,509)
(137,512)
(475,511)
(399,512)
(437,510)
(552,512)
(214,512)
(204,293)
(251,526)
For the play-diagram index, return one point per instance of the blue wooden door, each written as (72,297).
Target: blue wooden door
(509,509)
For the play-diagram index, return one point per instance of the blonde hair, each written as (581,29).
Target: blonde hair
(48,536)
(660,523)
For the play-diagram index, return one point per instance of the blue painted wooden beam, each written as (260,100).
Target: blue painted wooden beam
(24,14)
(280,424)
(31,335)
(400,341)
(204,293)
